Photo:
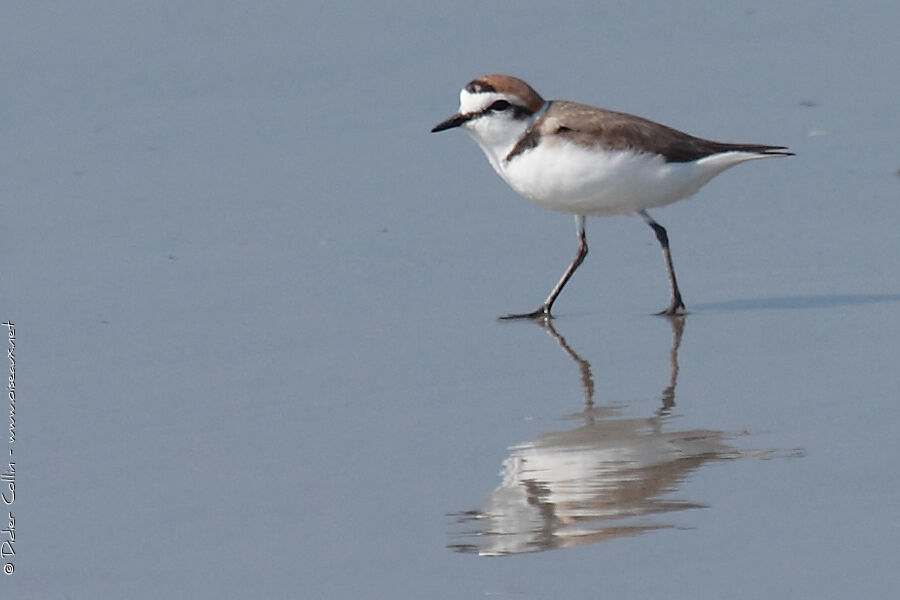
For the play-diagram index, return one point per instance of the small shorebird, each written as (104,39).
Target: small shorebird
(588,161)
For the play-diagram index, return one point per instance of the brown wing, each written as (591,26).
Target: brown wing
(593,127)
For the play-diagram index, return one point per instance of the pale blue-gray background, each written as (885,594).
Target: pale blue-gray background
(255,299)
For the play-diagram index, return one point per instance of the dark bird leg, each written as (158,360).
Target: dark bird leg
(544,311)
(676,307)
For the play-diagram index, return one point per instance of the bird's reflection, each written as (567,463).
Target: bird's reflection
(609,477)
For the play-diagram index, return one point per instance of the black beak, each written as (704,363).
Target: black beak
(454,121)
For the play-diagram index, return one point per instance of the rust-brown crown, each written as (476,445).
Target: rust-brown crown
(505,84)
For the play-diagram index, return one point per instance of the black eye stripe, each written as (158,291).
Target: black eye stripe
(518,112)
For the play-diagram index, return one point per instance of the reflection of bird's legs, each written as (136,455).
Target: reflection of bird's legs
(587,379)
(668,394)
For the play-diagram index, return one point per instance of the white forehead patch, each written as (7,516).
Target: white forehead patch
(471,103)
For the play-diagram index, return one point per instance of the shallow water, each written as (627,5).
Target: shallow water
(255,307)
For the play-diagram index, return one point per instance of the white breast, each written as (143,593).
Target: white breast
(566,177)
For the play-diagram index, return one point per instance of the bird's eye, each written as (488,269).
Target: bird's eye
(500,105)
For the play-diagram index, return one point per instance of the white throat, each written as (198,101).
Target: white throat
(496,133)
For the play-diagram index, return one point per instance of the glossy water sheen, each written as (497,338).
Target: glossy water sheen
(255,304)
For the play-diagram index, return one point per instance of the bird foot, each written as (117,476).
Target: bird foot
(676,309)
(542,313)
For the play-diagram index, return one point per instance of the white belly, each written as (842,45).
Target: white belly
(569,178)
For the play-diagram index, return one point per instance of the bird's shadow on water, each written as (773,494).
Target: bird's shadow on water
(797,302)
(606,476)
